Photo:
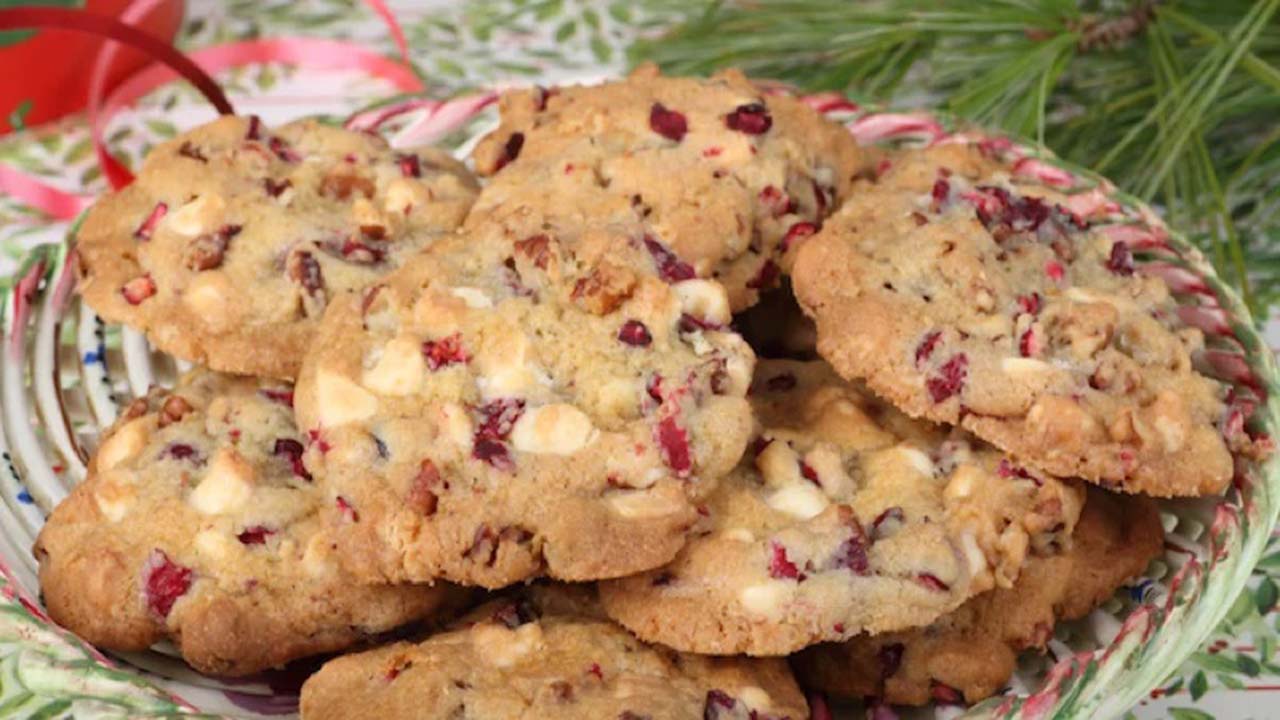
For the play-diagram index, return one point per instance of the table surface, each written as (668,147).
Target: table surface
(462,45)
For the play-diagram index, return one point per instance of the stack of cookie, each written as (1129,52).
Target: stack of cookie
(591,372)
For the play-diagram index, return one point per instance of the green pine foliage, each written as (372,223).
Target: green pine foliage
(1178,101)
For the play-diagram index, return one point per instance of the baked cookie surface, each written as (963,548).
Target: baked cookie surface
(964,295)
(846,516)
(299,214)
(717,177)
(547,653)
(485,419)
(970,654)
(198,522)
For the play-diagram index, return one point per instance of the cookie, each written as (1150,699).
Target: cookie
(299,214)
(965,295)
(845,517)
(198,522)
(498,410)
(547,653)
(970,654)
(717,177)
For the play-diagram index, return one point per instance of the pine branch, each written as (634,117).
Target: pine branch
(1176,100)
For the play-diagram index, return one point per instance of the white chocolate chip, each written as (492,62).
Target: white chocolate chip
(755,698)
(214,545)
(766,599)
(917,460)
(363,213)
(975,559)
(800,500)
(505,367)
(739,534)
(1024,366)
(114,494)
(779,465)
(826,462)
(704,299)
(227,484)
(399,369)
(124,444)
(557,429)
(475,298)
(962,483)
(503,648)
(340,401)
(402,195)
(208,295)
(640,504)
(200,216)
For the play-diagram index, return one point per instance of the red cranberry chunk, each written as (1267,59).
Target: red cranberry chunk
(852,553)
(669,124)
(635,334)
(444,352)
(949,379)
(410,165)
(779,566)
(275,187)
(255,128)
(498,417)
(422,493)
(926,347)
(945,694)
(889,519)
(256,535)
(363,253)
(1029,345)
(149,223)
(348,511)
(182,451)
(1120,261)
(751,119)
(775,201)
(493,452)
(670,268)
(188,150)
(718,705)
(1030,304)
(283,151)
(305,271)
(932,582)
(291,450)
(796,233)
(284,397)
(511,150)
(138,289)
(165,581)
(941,189)
(674,444)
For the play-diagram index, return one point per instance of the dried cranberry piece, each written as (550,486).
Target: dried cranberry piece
(635,334)
(516,613)
(767,275)
(165,581)
(751,119)
(348,511)
(932,582)
(941,189)
(669,124)
(808,473)
(779,566)
(781,382)
(182,451)
(274,187)
(1030,304)
(445,351)
(255,128)
(1120,261)
(796,233)
(852,553)
(206,251)
(759,444)
(950,378)
(292,450)
(692,323)
(498,417)
(256,535)
(1054,270)
(410,165)
(926,347)
(718,705)
(1029,344)
(284,397)
(305,270)
(149,223)
(775,201)
(670,268)
(510,151)
(890,657)
(188,150)
(138,289)
(945,694)
(362,253)
(674,444)
(283,151)
(654,388)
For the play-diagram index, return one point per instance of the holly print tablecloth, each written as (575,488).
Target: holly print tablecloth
(457,46)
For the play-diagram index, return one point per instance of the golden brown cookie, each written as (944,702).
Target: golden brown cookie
(198,522)
(965,295)
(971,653)
(547,652)
(716,177)
(233,237)
(846,517)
